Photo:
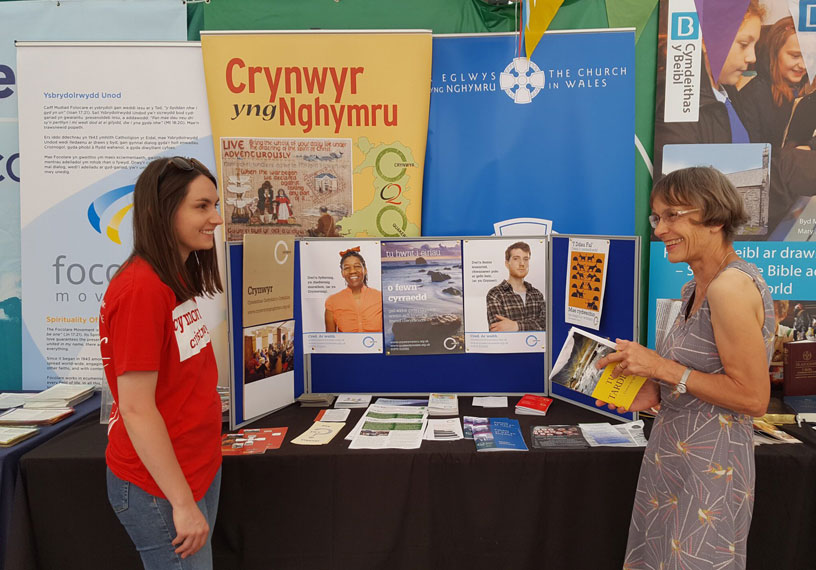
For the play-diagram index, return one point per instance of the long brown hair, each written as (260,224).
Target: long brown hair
(160,189)
(777,36)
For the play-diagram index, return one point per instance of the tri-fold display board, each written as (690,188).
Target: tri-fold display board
(470,315)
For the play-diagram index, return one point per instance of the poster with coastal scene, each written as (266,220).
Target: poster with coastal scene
(423,310)
(505,307)
(586,281)
(341,299)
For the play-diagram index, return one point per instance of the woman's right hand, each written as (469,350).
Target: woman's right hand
(191,529)
(647,397)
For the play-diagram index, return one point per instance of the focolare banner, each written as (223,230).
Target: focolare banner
(86,135)
(47,20)
(319,133)
(552,137)
(755,122)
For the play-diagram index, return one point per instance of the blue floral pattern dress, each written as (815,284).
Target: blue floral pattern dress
(695,493)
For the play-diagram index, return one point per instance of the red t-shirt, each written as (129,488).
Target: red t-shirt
(142,328)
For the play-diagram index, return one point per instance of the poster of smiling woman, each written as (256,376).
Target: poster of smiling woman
(340,296)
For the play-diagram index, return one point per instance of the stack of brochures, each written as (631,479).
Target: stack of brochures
(531,405)
(13,435)
(443,405)
(352,401)
(315,400)
(61,396)
(499,434)
(443,429)
(29,417)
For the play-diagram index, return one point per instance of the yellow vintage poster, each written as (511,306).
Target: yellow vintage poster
(319,133)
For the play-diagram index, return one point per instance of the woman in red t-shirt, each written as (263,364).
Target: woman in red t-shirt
(163,454)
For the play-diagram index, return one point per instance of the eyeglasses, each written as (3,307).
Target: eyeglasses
(182,163)
(670,217)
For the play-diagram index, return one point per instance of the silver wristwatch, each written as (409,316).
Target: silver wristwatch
(681,386)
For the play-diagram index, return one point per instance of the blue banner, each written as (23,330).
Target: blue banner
(552,138)
(35,20)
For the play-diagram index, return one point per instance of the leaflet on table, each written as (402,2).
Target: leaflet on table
(471,424)
(523,227)
(447,429)
(333,415)
(505,307)
(382,434)
(381,413)
(490,401)
(352,400)
(557,436)
(629,434)
(575,369)
(501,434)
(422,297)
(402,402)
(320,433)
(586,284)
(341,314)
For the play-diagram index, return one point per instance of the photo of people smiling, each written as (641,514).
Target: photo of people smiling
(341,298)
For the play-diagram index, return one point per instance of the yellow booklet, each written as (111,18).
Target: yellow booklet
(575,369)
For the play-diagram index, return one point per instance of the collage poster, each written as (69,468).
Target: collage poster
(341,299)
(755,121)
(286,186)
(505,307)
(319,133)
(586,281)
(423,312)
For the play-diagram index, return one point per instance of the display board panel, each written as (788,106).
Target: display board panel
(620,316)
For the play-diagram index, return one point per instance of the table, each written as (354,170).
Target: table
(10,457)
(442,506)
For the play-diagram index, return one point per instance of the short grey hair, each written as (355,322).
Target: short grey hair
(708,189)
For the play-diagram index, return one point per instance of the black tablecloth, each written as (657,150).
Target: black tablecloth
(10,457)
(442,506)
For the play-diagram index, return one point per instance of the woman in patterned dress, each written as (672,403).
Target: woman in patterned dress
(695,491)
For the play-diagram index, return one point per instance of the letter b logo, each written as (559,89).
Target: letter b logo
(685,26)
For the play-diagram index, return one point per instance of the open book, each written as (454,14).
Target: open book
(575,369)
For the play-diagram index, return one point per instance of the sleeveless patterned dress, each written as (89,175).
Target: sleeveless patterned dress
(695,493)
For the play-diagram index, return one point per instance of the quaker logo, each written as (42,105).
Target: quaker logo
(99,207)
(685,26)
(8,167)
(6,78)
(521,80)
(807,16)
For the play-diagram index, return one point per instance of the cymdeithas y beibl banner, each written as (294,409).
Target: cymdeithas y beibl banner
(308,123)
(91,117)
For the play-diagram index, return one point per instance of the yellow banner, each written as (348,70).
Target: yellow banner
(319,133)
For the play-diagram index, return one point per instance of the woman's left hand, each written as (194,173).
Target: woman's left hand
(632,358)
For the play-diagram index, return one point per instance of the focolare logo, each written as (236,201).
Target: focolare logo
(99,207)
(521,80)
